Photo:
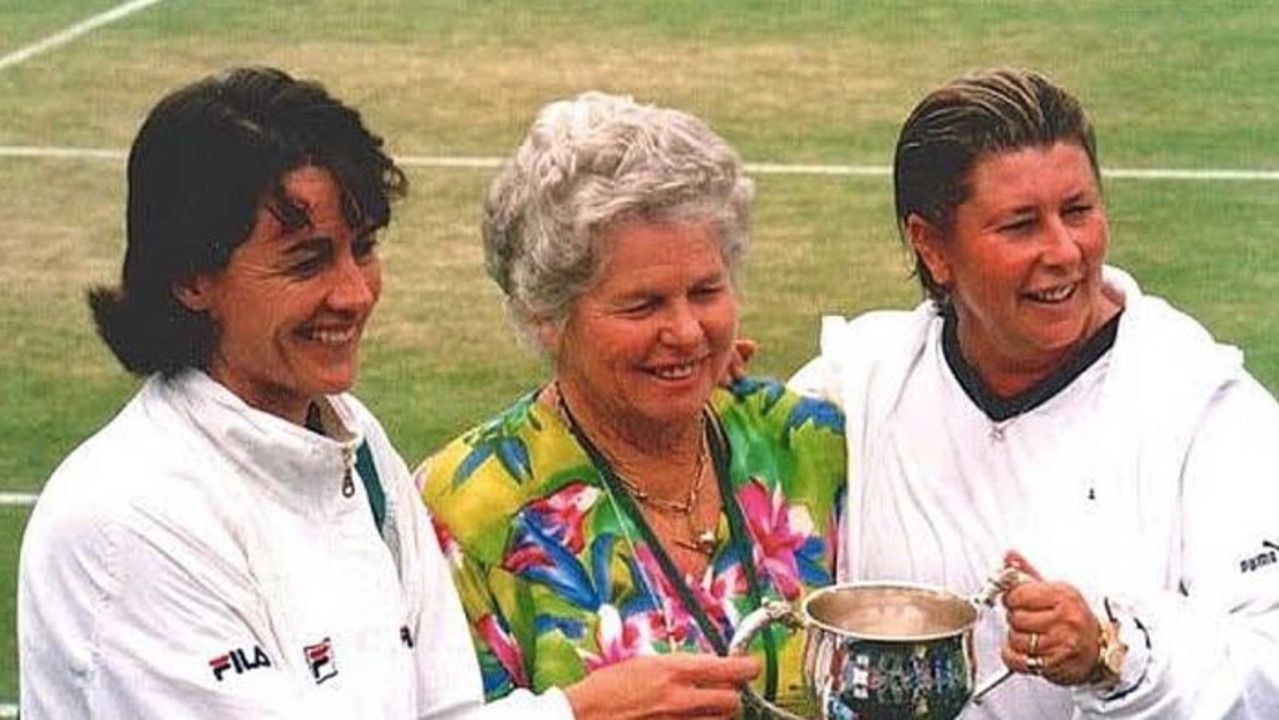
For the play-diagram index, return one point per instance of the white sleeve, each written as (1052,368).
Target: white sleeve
(815,380)
(820,377)
(1212,649)
(130,620)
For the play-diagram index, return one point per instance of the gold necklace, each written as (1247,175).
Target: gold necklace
(698,540)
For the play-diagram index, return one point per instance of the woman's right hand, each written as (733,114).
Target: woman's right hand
(1051,622)
(663,686)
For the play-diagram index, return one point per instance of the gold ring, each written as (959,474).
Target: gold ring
(1034,645)
(1034,665)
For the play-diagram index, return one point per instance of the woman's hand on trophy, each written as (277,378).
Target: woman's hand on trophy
(664,686)
(1052,632)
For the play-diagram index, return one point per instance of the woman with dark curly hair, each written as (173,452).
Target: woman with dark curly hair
(241,540)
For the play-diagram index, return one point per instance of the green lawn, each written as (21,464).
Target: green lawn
(1170,85)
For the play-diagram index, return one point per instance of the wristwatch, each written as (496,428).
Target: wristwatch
(1110,656)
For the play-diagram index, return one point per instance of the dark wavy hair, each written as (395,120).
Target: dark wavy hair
(209,156)
(966,121)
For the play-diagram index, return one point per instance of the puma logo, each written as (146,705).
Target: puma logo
(1267,557)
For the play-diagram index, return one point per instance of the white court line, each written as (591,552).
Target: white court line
(63,37)
(485,163)
(16,498)
(8,711)
(62,153)
(436,161)
(1173,174)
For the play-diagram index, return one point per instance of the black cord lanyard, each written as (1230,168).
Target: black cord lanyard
(721,454)
(738,538)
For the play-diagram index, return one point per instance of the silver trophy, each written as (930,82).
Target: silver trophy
(884,651)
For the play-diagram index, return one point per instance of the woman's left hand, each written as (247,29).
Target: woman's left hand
(1052,632)
(739,361)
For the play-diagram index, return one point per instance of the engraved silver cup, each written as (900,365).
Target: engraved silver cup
(883,651)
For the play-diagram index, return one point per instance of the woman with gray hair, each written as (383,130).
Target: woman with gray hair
(610,528)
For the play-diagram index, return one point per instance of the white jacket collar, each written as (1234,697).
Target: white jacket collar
(279,455)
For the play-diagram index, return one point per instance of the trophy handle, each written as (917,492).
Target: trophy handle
(1001,582)
(754,623)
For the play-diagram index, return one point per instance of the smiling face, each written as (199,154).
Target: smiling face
(290,306)
(646,343)
(1023,262)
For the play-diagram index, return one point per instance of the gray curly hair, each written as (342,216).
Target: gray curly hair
(586,164)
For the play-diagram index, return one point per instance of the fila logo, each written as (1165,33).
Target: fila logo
(239,661)
(319,657)
(1268,556)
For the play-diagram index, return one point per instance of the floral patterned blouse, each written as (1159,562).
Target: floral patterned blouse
(556,578)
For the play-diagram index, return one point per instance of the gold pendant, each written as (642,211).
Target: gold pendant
(706,541)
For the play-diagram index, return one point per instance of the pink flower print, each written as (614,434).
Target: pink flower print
(449,545)
(561,514)
(721,592)
(713,601)
(781,535)
(526,555)
(660,587)
(680,619)
(720,596)
(546,539)
(716,609)
(504,648)
(619,639)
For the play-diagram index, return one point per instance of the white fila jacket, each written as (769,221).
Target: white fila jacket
(197,558)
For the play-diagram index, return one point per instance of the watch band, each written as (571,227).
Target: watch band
(1111,652)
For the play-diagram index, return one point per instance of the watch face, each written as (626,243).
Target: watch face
(1113,659)
(1113,651)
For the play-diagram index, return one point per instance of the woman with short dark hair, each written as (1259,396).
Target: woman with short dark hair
(1038,405)
(241,540)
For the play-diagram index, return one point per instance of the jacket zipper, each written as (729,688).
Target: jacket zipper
(348,485)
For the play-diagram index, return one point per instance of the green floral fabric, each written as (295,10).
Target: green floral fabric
(555,577)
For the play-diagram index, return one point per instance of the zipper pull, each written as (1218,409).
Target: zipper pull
(348,486)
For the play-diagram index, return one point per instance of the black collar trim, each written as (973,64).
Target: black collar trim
(999,409)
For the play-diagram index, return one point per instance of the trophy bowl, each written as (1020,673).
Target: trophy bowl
(881,651)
